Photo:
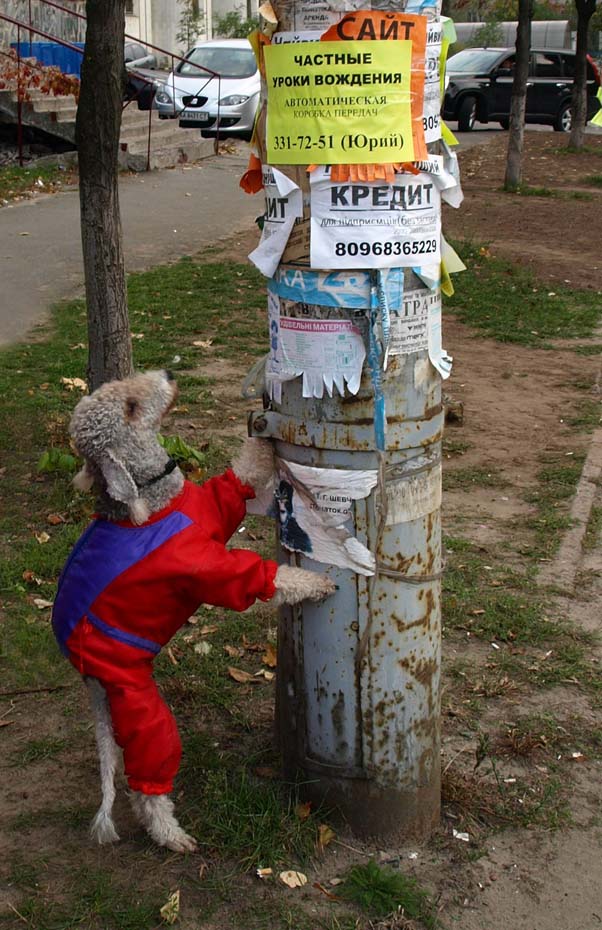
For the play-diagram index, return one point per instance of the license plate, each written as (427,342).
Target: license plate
(197,115)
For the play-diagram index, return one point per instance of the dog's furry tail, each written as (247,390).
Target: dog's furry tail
(102,828)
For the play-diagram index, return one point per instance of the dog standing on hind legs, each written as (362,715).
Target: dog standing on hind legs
(154,552)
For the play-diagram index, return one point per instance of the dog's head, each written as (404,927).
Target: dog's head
(115,430)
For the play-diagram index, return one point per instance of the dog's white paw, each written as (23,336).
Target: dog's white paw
(324,587)
(180,841)
(102,828)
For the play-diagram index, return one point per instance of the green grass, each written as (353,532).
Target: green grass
(505,301)
(472,476)
(381,892)
(551,497)
(98,904)
(525,191)
(15,181)
(593,532)
(38,750)
(594,179)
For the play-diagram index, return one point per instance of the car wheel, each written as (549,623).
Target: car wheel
(564,120)
(467,114)
(505,123)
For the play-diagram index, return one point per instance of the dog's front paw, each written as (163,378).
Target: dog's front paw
(294,585)
(180,841)
(323,587)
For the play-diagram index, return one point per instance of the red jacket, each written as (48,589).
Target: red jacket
(126,590)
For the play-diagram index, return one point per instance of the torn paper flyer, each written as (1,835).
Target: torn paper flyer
(284,204)
(313,507)
(437,354)
(327,352)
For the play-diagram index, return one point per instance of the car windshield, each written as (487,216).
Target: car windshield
(228,62)
(473,60)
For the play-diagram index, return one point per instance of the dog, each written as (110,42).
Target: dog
(153,553)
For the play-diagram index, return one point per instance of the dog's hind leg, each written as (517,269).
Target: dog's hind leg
(102,827)
(156,814)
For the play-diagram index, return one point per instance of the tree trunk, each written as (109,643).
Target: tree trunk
(519,96)
(585,11)
(97,134)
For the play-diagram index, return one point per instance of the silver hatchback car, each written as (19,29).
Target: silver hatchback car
(219,76)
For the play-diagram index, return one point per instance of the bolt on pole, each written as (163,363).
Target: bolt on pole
(358,683)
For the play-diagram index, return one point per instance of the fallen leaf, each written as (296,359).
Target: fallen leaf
(72,383)
(335,881)
(172,659)
(270,658)
(208,629)
(325,891)
(242,677)
(171,909)
(31,577)
(41,604)
(265,873)
(42,538)
(233,651)
(203,648)
(202,869)
(293,879)
(252,647)
(203,343)
(265,674)
(325,836)
(54,519)
(303,811)
(6,723)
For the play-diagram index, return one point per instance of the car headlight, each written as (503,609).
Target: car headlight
(234,100)
(163,97)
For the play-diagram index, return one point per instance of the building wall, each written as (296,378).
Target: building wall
(52,21)
(138,20)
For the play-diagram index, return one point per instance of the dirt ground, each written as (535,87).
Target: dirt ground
(518,403)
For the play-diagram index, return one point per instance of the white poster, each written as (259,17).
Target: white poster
(312,506)
(446,175)
(432,83)
(437,354)
(372,224)
(409,328)
(284,204)
(327,352)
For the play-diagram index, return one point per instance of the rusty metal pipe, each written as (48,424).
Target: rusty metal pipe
(358,685)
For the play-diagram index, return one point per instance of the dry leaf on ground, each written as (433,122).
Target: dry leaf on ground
(325,836)
(244,678)
(265,873)
(207,629)
(54,519)
(41,603)
(72,383)
(233,651)
(42,538)
(303,810)
(203,648)
(293,879)
(269,658)
(171,909)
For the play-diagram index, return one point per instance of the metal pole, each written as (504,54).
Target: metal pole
(358,688)
(20,92)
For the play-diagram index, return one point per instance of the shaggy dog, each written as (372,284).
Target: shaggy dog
(154,552)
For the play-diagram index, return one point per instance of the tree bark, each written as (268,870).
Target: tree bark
(585,11)
(519,96)
(97,133)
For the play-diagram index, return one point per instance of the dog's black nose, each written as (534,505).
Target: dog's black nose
(169,375)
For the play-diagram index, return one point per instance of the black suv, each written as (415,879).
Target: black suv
(480,87)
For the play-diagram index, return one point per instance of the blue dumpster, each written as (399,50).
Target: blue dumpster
(53,53)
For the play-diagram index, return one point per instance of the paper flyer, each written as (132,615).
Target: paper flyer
(313,506)
(284,204)
(437,354)
(446,175)
(336,289)
(432,83)
(328,353)
(339,103)
(373,224)
(409,328)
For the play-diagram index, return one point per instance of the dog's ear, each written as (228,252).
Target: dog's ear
(122,487)
(84,479)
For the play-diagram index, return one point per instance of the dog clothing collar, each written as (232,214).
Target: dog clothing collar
(170,466)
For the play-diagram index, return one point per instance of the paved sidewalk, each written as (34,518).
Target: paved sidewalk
(165,214)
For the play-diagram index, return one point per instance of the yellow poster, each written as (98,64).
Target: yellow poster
(339,103)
